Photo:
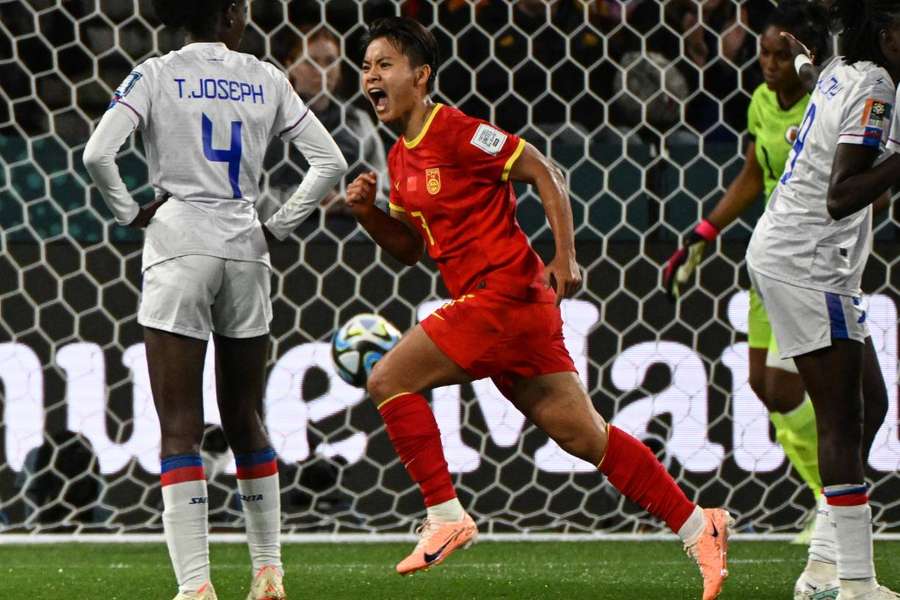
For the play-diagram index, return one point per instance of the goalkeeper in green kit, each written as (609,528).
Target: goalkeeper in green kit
(774,116)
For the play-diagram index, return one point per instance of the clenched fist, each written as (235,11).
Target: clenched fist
(361,194)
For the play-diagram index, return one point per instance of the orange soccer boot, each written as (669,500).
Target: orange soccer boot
(437,541)
(710,551)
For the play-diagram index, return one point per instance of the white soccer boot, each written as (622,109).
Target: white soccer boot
(879,593)
(267,585)
(818,581)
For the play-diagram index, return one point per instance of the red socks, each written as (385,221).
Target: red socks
(628,464)
(411,426)
(633,470)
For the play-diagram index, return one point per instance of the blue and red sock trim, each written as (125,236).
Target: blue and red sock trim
(846,495)
(181,468)
(254,465)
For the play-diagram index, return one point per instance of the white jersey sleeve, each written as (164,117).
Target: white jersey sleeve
(865,119)
(295,123)
(291,111)
(100,161)
(893,137)
(133,96)
(326,166)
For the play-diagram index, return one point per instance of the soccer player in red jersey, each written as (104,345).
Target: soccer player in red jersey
(451,194)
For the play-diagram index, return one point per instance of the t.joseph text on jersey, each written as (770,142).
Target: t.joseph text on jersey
(221,89)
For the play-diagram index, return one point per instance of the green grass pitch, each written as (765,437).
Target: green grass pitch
(570,570)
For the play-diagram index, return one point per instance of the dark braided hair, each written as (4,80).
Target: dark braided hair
(859,23)
(806,21)
(198,17)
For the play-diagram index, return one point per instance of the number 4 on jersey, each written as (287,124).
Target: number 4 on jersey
(232,155)
(802,132)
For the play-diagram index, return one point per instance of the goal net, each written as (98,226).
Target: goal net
(642,104)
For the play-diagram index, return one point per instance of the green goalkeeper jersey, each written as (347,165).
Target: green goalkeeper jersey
(774,130)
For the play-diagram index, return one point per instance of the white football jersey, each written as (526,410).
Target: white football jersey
(893,142)
(795,240)
(207,115)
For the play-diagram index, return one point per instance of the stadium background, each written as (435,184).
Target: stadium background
(641,103)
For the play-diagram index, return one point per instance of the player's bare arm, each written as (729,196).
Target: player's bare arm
(853,184)
(743,191)
(391,232)
(536,169)
(808,72)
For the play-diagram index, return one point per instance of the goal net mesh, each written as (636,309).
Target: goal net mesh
(642,104)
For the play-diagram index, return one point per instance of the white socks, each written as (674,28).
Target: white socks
(450,511)
(853,528)
(185,516)
(852,518)
(261,502)
(693,528)
(822,545)
(185,519)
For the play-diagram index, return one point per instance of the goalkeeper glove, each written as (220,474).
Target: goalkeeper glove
(681,265)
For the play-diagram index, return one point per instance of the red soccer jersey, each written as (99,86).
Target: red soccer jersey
(452,180)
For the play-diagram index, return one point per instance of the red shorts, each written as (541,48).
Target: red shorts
(490,335)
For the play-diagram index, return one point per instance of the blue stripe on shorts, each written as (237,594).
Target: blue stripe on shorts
(836,316)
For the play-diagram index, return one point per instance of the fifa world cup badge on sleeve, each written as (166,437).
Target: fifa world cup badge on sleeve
(433,181)
(489,139)
(125,87)
(876,113)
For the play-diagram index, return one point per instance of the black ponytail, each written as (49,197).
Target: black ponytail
(859,23)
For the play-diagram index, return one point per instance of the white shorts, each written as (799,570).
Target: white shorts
(804,320)
(196,294)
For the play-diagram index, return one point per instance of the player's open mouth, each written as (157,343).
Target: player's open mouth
(379,99)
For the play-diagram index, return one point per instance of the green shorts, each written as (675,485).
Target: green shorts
(759,332)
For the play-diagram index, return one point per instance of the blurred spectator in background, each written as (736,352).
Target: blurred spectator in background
(316,71)
(316,76)
(649,91)
(713,46)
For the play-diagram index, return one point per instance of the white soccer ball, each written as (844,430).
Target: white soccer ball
(359,344)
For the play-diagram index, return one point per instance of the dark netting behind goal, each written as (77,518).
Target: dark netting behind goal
(643,104)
